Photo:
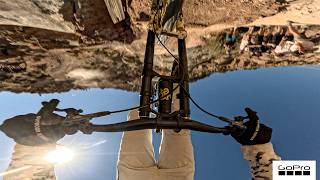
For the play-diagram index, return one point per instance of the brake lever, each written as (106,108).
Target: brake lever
(237,126)
(70,111)
(77,119)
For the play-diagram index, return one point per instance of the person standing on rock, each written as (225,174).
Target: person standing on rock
(296,44)
(230,40)
(136,159)
(255,47)
(277,36)
(246,40)
(267,40)
(302,43)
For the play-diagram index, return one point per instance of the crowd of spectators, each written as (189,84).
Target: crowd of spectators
(276,40)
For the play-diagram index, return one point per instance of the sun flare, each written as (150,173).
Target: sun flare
(60,155)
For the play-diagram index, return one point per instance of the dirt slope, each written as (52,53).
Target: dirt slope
(34,13)
(301,11)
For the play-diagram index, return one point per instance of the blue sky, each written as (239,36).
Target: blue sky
(287,99)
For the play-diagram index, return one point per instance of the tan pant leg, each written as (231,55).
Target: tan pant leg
(136,149)
(176,149)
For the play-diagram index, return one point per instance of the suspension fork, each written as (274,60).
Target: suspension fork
(181,76)
(165,85)
(183,73)
(147,75)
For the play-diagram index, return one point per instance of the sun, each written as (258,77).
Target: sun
(60,155)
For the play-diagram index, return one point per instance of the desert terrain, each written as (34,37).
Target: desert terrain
(54,47)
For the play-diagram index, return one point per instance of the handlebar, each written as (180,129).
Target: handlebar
(153,123)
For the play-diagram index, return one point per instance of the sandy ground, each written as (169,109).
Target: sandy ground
(301,11)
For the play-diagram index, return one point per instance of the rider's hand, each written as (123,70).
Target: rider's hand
(47,115)
(255,133)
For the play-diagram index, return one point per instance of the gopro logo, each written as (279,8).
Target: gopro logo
(294,170)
